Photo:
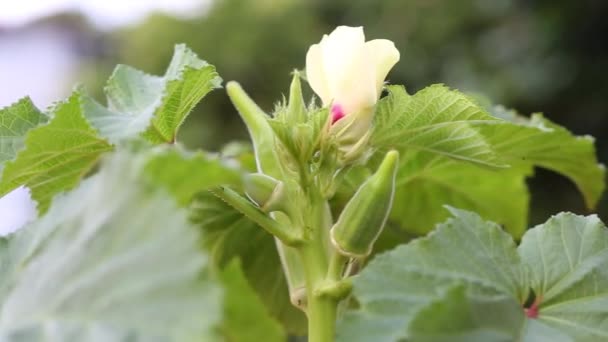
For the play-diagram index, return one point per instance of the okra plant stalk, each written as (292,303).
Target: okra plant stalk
(301,152)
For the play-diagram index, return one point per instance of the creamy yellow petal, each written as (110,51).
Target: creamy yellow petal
(339,48)
(385,55)
(315,73)
(355,89)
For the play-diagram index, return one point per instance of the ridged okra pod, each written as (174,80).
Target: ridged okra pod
(365,215)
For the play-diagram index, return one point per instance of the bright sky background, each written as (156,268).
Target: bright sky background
(16,209)
(105,14)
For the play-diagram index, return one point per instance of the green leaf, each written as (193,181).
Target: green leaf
(56,155)
(457,316)
(228,234)
(245,317)
(437,120)
(184,174)
(15,121)
(540,142)
(465,280)
(113,260)
(427,182)
(396,285)
(155,106)
(568,258)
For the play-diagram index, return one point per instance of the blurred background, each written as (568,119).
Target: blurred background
(534,56)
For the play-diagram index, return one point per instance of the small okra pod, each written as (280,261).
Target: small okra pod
(365,214)
(265,191)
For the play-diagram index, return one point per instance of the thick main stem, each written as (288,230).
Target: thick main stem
(321,310)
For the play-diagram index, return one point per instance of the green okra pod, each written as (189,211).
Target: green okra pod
(364,216)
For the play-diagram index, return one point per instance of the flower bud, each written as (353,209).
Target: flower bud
(364,216)
(265,191)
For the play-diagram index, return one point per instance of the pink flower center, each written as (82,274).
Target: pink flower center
(337,113)
(533,310)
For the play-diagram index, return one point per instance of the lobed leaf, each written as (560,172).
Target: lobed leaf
(467,281)
(437,120)
(245,317)
(396,285)
(568,257)
(56,155)
(449,172)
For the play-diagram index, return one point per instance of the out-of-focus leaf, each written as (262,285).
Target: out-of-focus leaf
(228,234)
(185,174)
(113,260)
(246,319)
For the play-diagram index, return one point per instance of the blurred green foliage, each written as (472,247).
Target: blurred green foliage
(548,56)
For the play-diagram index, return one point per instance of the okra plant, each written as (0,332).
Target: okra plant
(365,213)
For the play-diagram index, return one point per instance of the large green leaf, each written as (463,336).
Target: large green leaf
(425,183)
(245,317)
(228,234)
(56,155)
(113,260)
(429,178)
(15,121)
(540,142)
(467,281)
(435,119)
(155,106)
(395,286)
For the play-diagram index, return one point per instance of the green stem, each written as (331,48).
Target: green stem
(284,233)
(337,264)
(322,309)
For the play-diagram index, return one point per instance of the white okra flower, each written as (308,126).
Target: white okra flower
(347,72)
